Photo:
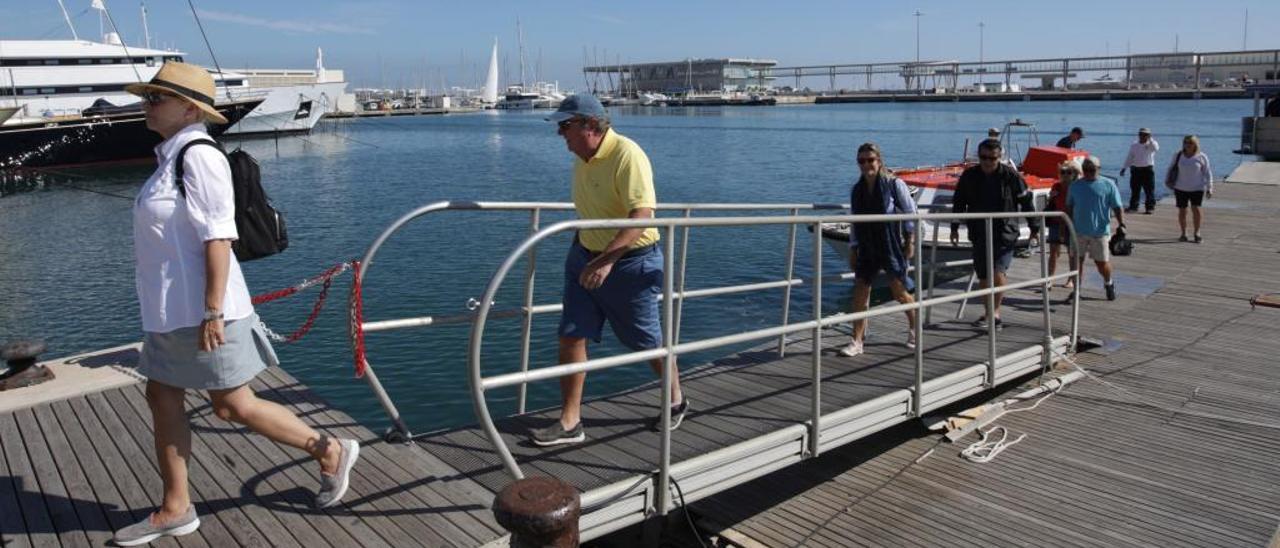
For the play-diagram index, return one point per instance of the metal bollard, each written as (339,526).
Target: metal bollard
(23,371)
(539,511)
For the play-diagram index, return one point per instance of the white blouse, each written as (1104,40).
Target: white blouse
(169,235)
(1194,174)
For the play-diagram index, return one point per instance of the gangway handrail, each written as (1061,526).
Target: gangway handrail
(399,430)
(479,384)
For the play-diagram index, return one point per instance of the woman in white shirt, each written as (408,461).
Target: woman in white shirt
(200,330)
(1191,179)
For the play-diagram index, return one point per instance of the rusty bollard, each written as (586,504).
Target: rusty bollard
(539,511)
(23,371)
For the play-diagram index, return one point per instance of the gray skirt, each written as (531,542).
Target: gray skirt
(175,358)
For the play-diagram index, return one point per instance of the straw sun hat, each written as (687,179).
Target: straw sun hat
(186,81)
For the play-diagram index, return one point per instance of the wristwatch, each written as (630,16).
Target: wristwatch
(211,314)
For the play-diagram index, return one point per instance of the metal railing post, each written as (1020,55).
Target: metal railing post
(1044,292)
(919,326)
(815,427)
(1077,268)
(668,368)
(933,269)
(527,328)
(973,278)
(786,291)
(991,305)
(684,254)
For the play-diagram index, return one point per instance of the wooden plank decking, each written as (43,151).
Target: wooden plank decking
(1096,470)
(1098,467)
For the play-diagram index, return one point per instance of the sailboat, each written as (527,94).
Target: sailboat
(522,96)
(489,96)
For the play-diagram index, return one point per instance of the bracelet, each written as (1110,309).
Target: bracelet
(212,314)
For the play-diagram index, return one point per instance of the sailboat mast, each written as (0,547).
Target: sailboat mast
(146,30)
(520,37)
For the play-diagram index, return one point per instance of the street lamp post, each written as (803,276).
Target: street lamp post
(917,15)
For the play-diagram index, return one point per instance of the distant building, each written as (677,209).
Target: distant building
(707,75)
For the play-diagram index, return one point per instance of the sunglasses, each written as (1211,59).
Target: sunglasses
(155,97)
(864,161)
(988,158)
(1065,172)
(567,124)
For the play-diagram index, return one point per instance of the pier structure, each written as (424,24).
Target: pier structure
(1195,70)
(785,442)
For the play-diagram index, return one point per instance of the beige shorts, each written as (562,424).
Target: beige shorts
(1097,247)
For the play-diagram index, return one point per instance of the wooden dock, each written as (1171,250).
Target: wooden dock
(1097,469)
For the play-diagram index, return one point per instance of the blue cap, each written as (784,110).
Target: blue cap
(582,104)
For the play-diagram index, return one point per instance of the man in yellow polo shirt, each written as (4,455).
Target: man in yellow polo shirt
(610,274)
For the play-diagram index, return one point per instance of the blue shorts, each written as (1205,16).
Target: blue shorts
(628,299)
(1003,256)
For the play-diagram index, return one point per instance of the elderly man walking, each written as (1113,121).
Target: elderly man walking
(610,274)
(1090,203)
(1142,158)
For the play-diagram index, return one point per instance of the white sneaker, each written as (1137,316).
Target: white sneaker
(911,339)
(854,348)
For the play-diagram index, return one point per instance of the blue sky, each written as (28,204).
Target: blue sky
(404,43)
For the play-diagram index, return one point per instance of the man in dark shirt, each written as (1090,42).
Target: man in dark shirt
(992,186)
(1070,140)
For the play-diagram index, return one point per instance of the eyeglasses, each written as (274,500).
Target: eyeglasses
(155,97)
(566,124)
(864,161)
(988,158)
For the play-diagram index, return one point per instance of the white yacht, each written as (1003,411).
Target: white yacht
(48,80)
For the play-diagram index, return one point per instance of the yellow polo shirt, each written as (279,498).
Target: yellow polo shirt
(615,181)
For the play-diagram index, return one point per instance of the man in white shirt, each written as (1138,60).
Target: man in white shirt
(1142,158)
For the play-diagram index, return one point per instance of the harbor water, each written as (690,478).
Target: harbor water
(66,257)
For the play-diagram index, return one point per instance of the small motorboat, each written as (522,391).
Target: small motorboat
(933,188)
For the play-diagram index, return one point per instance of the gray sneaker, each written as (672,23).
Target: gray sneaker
(144,531)
(557,435)
(332,488)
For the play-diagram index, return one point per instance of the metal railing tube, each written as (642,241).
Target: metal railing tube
(918,244)
(526,329)
(684,254)
(991,305)
(1044,291)
(933,269)
(786,292)
(474,376)
(816,399)
(663,495)
(546,373)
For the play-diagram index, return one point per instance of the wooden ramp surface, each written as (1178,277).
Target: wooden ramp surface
(1098,468)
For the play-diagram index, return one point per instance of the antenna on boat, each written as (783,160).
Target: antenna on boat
(209,47)
(68,19)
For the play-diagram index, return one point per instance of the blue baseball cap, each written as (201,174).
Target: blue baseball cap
(582,104)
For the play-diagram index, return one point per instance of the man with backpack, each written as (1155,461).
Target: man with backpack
(992,187)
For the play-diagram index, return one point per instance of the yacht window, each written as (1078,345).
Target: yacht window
(86,89)
(29,91)
(151,61)
(48,91)
(105,61)
(85,61)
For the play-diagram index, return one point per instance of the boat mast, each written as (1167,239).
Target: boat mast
(146,31)
(68,20)
(520,37)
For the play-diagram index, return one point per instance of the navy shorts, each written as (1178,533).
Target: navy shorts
(628,299)
(1002,255)
(1058,235)
(867,270)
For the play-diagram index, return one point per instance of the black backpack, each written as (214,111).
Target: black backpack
(1120,243)
(260,227)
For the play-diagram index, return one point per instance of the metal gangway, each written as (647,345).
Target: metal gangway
(636,497)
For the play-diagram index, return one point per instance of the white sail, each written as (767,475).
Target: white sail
(491,81)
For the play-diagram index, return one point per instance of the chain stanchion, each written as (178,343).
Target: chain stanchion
(325,279)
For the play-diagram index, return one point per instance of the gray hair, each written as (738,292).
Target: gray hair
(597,123)
(1092,161)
